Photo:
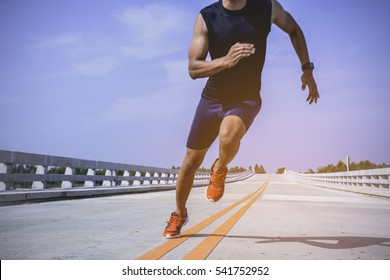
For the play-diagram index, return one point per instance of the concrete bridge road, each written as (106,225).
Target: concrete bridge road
(264,217)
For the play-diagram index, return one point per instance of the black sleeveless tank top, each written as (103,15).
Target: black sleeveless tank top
(251,24)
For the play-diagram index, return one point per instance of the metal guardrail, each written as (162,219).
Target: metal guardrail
(83,177)
(372,181)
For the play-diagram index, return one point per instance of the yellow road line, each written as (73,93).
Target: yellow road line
(203,250)
(169,245)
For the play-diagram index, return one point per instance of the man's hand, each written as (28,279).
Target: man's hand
(308,80)
(237,52)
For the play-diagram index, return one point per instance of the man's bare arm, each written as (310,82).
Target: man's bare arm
(198,67)
(286,22)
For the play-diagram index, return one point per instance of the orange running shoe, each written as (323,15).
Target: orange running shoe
(216,187)
(174,225)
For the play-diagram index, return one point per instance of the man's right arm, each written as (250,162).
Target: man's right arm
(198,67)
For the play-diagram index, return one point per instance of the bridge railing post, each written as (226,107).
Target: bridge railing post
(68,184)
(5,169)
(40,185)
(147,175)
(155,175)
(91,172)
(137,182)
(125,183)
(163,181)
(107,183)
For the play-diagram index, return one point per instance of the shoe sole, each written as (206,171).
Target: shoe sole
(177,235)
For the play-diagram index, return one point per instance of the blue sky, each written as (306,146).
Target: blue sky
(107,80)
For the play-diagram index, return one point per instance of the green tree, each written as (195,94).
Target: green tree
(280,170)
(259,169)
(341,166)
(203,169)
(236,169)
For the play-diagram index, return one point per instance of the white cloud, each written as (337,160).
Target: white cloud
(68,44)
(170,99)
(155,30)
(84,53)
(151,31)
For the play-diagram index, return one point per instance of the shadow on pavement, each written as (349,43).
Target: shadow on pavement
(326,242)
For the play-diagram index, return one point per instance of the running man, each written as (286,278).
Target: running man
(234,32)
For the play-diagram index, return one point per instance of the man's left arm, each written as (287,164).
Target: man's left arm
(286,22)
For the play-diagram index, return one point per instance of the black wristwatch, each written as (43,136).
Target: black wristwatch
(308,66)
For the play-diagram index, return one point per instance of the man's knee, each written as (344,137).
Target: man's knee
(231,131)
(228,138)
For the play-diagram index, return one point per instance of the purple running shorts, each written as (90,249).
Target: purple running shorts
(208,118)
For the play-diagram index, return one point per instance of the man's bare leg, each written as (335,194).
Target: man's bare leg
(231,131)
(192,160)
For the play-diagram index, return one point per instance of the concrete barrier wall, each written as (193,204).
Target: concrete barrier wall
(372,182)
(97,178)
